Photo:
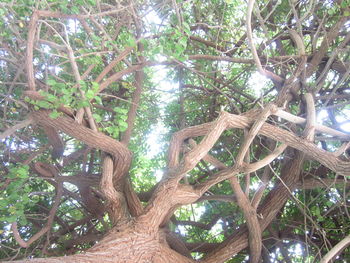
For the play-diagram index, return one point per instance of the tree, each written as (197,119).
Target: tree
(257,123)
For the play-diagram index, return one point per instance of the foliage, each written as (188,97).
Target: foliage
(207,68)
(14,200)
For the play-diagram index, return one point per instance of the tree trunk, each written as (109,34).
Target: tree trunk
(131,244)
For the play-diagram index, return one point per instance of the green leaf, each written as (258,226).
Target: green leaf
(110,129)
(83,85)
(186,28)
(22,220)
(82,103)
(329,203)
(61,86)
(122,125)
(51,98)
(92,2)
(131,41)
(44,104)
(96,38)
(65,99)
(182,57)
(11,219)
(75,10)
(25,199)
(98,100)
(3,203)
(95,86)
(54,114)
(66,91)
(120,110)
(320,218)
(183,41)
(316,210)
(51,82)
(97,117)
(90,94)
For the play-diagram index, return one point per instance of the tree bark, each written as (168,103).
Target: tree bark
(133,243)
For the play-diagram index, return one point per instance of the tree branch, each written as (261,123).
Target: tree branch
(48,225)
(336,250)
(13,129)
(262,71)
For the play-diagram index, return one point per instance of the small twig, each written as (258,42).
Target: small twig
(16,127)
(116,97)
(78,79)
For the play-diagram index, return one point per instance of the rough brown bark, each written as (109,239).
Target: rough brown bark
(126,244)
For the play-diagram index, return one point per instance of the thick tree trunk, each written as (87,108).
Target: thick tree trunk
(131,244)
